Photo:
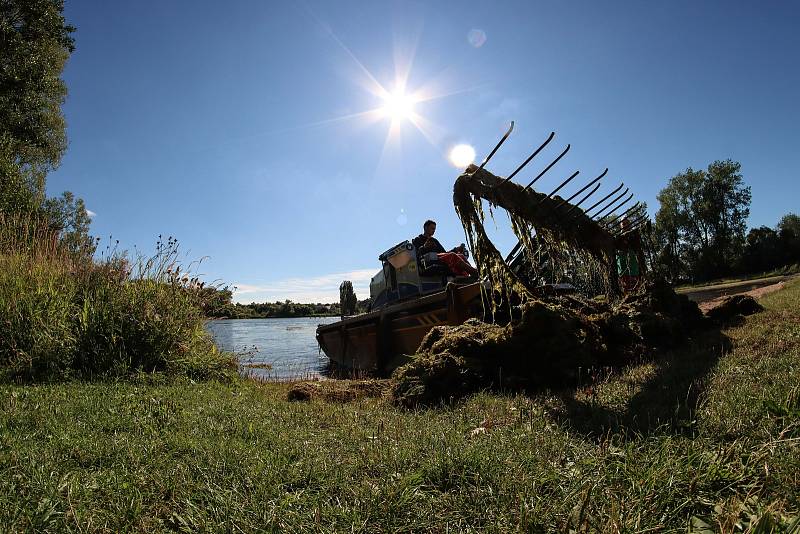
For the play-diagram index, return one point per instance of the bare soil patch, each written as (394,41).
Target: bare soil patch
(756,293)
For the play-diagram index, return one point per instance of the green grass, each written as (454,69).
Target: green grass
(702,438)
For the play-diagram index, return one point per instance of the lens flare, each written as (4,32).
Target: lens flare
(462,155)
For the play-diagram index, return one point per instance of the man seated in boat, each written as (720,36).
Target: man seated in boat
(455,260)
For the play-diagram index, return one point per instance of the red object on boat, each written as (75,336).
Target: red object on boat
(455,262)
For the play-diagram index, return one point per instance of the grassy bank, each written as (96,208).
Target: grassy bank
(63,317)
(697,438)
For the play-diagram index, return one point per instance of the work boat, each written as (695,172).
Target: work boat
(411,294)
(415,292)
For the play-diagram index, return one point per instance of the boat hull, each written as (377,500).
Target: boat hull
(376,343)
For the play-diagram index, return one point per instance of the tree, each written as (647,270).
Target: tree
(789,233)
(16,195)
(790,224)
(702,220)
(67,216)
(347,298)
(667,233)
(763,250)
(35,43)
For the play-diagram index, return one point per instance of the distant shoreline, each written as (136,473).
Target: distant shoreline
(270,317)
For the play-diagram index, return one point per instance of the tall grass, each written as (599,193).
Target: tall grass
(61,317)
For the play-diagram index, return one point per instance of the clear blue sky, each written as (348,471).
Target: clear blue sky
(225,124)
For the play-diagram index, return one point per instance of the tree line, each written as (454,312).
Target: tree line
(700,230)
(218,303)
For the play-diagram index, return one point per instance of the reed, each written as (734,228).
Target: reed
(63,317)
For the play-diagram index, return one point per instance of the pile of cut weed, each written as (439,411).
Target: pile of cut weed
(549,346)
(337,390)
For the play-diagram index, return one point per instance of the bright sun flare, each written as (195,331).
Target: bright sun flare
(462,155)
(398,106)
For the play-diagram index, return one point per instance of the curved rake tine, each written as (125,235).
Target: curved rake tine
(503,140)
(610,212)
(581,201)
(631,215)
(634,220)
(638,224)
(554,191)
(565,182)
(547,141)
(548,167)
(513,251)
(581,190)
(614,192)
(640,219)
(623,215)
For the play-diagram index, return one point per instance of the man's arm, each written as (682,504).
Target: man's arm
(431,245)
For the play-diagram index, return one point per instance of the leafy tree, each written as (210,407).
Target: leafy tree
(763,250)
(790,225)
(667,232)
(16,194)
(702,220)
(347,298)
(67,215)
(35,43)
(789,233)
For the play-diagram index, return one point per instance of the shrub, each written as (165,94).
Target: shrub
(112,318)
(37,337)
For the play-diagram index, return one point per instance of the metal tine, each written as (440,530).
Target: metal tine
(581,201)
(617,231)
(565,182)
(519,243)
(635,220)
(581,190)
(513,251)
(638,219)
(623,215)
(547,141)
(554,191)
(593,206)
(503,140)
(614,192)
(603,213)
(639,224)
(548,167)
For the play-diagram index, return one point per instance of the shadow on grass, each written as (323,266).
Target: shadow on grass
(661,393)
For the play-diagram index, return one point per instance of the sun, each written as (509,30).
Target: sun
(398,106)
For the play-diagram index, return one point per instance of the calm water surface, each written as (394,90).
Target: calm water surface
(288,346)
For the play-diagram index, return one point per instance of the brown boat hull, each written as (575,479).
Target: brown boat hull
(376,343)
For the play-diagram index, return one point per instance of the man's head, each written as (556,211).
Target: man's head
(429,228)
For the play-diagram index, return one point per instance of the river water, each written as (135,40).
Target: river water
(273,348)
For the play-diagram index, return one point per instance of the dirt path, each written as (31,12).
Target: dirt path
(743,289)
(716,292)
